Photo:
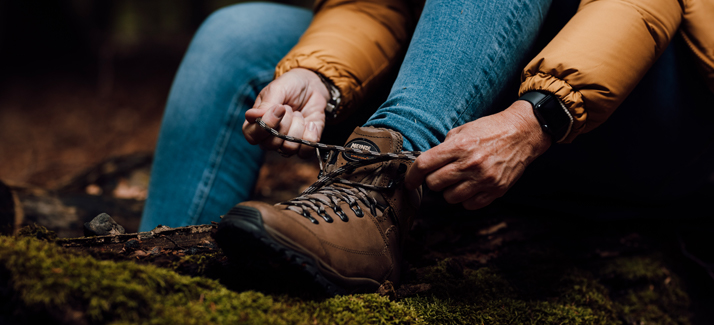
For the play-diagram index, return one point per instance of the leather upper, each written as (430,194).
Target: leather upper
(591,65)
(367,246)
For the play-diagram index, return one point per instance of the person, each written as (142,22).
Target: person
(347,230)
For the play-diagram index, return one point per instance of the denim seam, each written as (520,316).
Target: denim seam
(219,149)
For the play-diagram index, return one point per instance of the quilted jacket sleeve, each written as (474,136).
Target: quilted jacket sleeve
(601,54)
(353,43)
(698,31)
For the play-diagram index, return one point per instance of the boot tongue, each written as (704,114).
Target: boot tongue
(369,139)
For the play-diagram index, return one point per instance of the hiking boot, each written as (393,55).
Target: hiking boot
(346,231)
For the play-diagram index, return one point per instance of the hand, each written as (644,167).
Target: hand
(294,104)
(479,161)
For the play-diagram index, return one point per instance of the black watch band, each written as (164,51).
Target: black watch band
(552,115)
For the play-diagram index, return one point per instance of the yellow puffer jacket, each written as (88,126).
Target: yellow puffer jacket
(354,44)
(607,47)
(591,65)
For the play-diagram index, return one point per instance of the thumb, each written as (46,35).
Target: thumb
(265,107)
(312,133)
(269,98)
(273,116)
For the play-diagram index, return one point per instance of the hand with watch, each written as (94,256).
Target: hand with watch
(295,104)
(480,160)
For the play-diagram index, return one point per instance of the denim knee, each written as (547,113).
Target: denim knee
(250,32)
(235,47)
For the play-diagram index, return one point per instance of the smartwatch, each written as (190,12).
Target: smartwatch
(552,115)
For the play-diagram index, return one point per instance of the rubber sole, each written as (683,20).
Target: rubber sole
(243,237)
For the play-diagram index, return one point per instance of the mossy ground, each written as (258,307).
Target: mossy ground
(533,279)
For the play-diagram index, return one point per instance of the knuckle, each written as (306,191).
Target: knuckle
(461,143)
(419,165)
(433,184)
(478,160)
(490,179)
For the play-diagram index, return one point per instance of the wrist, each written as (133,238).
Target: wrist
(334,99)
(314,82)
(553,117)
(527,122)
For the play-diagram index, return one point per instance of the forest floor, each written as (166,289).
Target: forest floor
(503,265)
(71,152)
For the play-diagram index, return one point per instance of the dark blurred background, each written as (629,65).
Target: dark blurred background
(82,81)
(82,90)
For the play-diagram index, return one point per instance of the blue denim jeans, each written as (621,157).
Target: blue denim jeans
(462,63)
(203,165)
(460,58)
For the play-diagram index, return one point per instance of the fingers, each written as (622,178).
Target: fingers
(473,190)
(260,108)
(445,176)
(426,163)
(297,128)
(283,126)
(272,115)
(312,133)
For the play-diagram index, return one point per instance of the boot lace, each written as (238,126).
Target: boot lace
(330,189)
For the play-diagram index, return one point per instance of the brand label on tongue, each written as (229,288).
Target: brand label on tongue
(359,144)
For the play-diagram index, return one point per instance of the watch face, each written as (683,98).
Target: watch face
(553,117)
(556,117)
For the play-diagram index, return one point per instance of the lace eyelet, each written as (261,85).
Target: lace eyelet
(358,212)
(307,215)
(327,218)
(340,214)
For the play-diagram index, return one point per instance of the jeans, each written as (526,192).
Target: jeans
(203,165)
(462,55)
(462,63)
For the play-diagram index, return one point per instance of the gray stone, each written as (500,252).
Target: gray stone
(103,225)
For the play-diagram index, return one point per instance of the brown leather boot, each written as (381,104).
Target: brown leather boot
(346,231)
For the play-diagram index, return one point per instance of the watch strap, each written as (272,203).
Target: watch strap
(335,97)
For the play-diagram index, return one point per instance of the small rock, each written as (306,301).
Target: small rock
(387,289)
(132,245)
(159,229)
(103,225)
(139,253)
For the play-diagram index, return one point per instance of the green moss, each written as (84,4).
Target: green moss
(646,291)
(37,231)
(484,296)
(49,282)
